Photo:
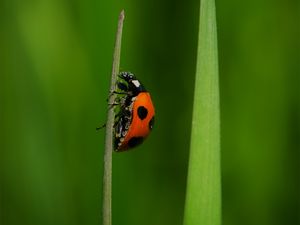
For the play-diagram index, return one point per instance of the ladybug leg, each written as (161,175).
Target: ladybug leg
(100,127)
(119,93)
(120,100)
(113,104)
(117,120)
(116,92)
(118,117)
(109,95)
(121,86)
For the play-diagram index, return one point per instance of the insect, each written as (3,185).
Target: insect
(134,118)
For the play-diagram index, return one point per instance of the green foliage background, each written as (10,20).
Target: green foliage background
(55,65)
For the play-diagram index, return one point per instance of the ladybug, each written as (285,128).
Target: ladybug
(135,116)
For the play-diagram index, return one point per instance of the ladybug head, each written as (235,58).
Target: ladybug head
(127,76)
(134,85)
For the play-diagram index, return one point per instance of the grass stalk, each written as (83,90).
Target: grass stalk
(107,171)
(203,197)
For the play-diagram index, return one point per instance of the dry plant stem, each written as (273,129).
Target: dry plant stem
(107,172)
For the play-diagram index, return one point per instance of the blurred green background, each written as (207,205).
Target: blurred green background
(55,65)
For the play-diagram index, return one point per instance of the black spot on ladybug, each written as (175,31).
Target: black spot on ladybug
(142,112)
(135,141)
(151,123)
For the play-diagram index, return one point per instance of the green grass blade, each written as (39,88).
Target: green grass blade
(203,197)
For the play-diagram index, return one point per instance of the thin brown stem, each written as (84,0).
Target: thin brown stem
(107,172)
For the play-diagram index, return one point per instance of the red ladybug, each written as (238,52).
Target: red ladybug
(135,118)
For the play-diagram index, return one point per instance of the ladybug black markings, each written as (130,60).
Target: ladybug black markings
(151,123)
(134,141)
(142,112)
(135,118)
